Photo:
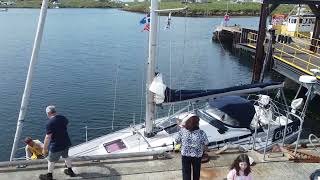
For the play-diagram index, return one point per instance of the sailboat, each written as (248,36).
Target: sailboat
(226,117)
(298,23)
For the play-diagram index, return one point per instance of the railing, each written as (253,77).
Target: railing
(245,34)
(290,54)
(284,53)
(252,39)
(300,35)
(306,45)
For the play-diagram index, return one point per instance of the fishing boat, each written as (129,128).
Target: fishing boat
(299,22)
(232,115)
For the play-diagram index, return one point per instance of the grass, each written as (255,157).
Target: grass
(212,8)
(69,4)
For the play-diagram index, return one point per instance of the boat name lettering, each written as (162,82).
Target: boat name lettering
(291,128)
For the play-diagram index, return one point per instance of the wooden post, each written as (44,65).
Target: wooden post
(269,54)
(316,29)
(315,36)
(258,61)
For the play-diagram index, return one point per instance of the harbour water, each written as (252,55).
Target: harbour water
(91,66)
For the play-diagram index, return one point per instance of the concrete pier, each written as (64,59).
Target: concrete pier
(275,167)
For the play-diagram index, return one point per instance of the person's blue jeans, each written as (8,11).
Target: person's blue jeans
(187,162)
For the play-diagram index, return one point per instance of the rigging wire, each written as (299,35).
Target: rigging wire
(115,97)
(170,62)
(191,73)
(158,47)
(142,93)
(143,79)
(184,47)
(170,56)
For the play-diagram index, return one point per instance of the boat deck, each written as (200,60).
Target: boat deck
(143,168)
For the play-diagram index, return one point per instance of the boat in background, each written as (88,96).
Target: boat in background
(55,5)
(299,22)
(3,9)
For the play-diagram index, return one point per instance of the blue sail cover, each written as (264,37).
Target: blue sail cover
(236,107)
(174,95)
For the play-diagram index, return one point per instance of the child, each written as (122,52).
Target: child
(240,169)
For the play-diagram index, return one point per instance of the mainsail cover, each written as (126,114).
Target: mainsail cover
(233,108)
(163,94)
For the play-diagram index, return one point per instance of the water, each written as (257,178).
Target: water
(88,53)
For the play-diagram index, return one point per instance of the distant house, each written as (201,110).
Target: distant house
(244,1)
(239,1)
(194,1)
(126,1)
(7,3)
(201,1)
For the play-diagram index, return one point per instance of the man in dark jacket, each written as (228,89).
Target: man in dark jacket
(56,142)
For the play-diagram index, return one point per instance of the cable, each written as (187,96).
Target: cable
(115,96)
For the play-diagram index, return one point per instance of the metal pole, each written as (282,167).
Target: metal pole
(285,129)
(27,88)
(284,99)
(310,92)
(255,134)
(287,117)
(267,140)
(297,94)
(150,104)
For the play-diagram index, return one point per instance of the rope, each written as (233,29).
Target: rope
(310,140)
(170,65)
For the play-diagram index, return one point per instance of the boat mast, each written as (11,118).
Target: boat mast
(150,104)
(27,88)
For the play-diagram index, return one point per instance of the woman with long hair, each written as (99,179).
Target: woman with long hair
(240,169)
(193,142)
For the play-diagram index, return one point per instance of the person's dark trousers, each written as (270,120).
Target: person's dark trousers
(187,162)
